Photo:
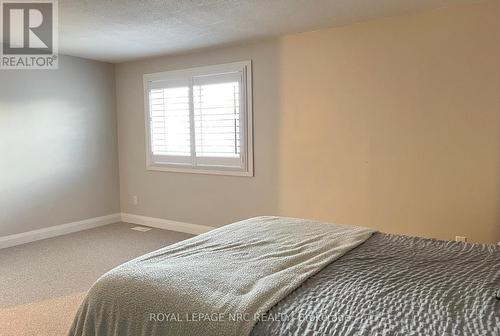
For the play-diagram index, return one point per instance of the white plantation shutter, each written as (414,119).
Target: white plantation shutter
(216,100)
(170,121)
(199,119)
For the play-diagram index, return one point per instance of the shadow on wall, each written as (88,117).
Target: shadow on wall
(58,145)
(41,143)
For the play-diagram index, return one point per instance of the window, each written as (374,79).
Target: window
(200,120)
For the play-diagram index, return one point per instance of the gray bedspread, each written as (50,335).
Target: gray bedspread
(217,283)
(396,285)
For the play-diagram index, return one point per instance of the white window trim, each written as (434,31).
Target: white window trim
(247,170)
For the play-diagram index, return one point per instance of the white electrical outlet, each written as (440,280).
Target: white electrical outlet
(460,238)
(135,200)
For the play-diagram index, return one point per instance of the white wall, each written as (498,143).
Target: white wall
(58,147)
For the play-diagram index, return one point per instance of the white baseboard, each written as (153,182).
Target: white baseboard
(166,224)
(58,230)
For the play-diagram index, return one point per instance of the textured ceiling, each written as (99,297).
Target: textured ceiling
(122,30)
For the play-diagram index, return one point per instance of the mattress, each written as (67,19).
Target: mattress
(396,285)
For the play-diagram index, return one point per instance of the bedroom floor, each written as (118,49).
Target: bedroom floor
(42,283)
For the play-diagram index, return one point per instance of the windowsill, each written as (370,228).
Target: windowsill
(215,171)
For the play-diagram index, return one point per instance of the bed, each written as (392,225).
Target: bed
(282,276)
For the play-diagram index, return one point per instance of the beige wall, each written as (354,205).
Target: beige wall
(58,147)
(395,124)
(392,124)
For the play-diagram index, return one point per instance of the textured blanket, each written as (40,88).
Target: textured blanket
(396,285)
(218,283)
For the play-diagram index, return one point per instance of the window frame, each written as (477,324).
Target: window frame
(246,119)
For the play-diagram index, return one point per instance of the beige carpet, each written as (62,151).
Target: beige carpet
(42,283)
(47,317)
